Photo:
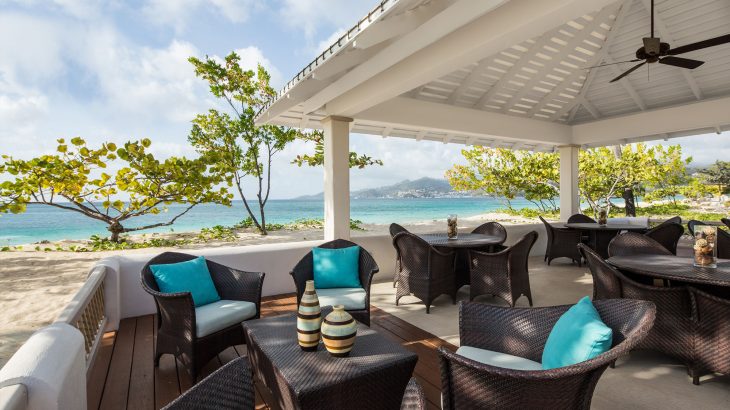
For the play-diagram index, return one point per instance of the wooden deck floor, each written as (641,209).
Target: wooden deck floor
(123,374)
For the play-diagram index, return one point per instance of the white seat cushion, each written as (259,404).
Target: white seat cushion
(351,298)
(219,315)
(498,359)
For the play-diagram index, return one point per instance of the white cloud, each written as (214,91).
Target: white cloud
(314,16)
(82,9)
(179,13)
(252,56)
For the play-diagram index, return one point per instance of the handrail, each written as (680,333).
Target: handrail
(86,312)
(14,397)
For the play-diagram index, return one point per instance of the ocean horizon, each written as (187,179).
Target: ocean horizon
(46,223)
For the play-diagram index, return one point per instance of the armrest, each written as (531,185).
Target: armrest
(177,314)
(235,284)
(368,269)
(516,331)
(231,386)
(302,272)
(413,398)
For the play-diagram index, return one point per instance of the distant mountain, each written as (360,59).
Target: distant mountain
(419,188)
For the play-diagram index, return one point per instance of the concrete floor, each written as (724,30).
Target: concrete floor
(643,380)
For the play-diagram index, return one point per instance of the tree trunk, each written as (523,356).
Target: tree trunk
(629,202)
(115,228)
(263,230)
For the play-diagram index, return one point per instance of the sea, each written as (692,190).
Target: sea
(46,223)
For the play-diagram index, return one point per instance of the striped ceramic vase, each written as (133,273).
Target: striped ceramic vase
(338,332)
(309,319)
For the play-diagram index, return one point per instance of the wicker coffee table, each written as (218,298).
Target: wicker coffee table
(375,374)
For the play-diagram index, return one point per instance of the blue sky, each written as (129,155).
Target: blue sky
(117,70)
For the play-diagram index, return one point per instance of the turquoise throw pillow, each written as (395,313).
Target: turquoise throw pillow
(336,268)
(190,276)
(578,335)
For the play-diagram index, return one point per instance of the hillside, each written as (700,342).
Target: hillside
(419,188)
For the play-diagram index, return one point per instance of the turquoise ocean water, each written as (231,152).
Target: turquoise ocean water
(47,223)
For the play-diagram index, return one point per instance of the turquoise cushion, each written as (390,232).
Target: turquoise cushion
(190,276)
(336,268)
(578,335)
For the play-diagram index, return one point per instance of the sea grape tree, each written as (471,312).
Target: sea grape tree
(77,178)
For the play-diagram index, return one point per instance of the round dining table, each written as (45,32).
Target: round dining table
(678,270)
(601,235)
(461,245)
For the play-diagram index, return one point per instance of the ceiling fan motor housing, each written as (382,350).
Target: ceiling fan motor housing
(652,50)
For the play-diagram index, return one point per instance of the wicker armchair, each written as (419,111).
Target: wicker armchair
(228,388)
(394,230)
(580,218)
(503,274)
(632,243)
(561,243)
(712,341)
(176,332)
(726,221)
(413,398)
(468,384)
(426,272)
(673,331)
(304,271)
(494,229)
(723,238)
(667,234)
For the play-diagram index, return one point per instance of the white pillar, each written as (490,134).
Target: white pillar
(569,195)
(336,177)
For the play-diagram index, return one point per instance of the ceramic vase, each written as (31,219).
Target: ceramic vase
(309,318)
(338,332)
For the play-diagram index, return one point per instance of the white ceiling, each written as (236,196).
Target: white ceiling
(542,78)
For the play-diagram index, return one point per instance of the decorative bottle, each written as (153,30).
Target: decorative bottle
(309,318)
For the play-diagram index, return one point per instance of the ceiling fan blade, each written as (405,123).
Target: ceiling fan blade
(681,62)
(711,42)
(619,62)
(627,72)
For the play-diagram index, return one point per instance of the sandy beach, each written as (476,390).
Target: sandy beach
(36,285)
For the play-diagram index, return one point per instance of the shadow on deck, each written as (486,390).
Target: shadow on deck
(124,376)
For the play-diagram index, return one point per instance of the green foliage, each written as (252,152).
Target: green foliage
(74,179)
(317,158)
(717,174)
(505,174)
(685,211)
(530,213)
(217,232)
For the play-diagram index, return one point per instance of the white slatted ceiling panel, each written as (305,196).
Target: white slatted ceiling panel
(542,77)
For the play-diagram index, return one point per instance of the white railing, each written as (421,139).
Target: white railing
(86,312)
(14,397)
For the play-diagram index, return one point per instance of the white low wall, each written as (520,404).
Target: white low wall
(52,367)
(124,296)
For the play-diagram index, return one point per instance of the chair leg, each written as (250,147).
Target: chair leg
(612,364)
(157,358)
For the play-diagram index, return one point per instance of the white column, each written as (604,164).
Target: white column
(569,195)
(336,177)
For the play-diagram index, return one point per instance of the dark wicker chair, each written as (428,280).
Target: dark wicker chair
(426,272)
(494,229)
(394,230)
(561,243)
(632,243)
(667,234)
(468,384)
(503,274)
(304,271)
(726,221)
(228,388)
(580,218)
(723,238)
(673,331)
(413,398)
(176,332)
(712,342)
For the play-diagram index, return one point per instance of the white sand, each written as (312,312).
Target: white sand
(35,286)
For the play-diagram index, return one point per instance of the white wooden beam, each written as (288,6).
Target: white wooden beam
(398,25)
(683,119)
(403,112)
(577,40)
(475,73)
(626,84)
(667,38)
(464,33)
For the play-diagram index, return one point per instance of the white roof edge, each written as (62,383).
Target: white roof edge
(376,13)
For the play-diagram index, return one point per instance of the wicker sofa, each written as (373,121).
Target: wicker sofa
(523,332)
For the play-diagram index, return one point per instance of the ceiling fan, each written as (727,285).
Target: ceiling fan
(654,51)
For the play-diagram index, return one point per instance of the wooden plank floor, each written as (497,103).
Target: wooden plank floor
(124,377)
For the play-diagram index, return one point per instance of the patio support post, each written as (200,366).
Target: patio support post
(336,177)
(569,195)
